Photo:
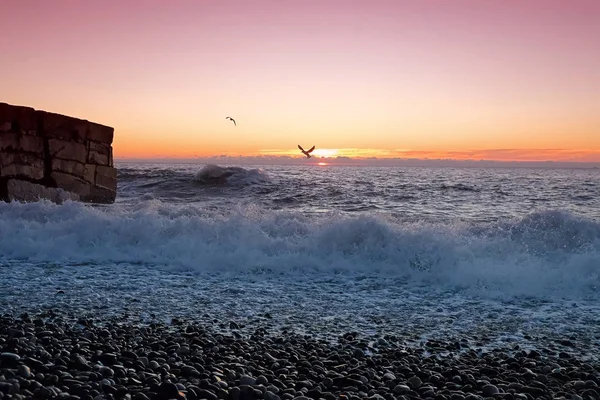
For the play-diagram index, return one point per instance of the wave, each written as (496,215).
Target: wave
(209,174)
(184,183)
(461,187)
(237,176)
(551,253)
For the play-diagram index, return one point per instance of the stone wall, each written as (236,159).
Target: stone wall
(53,156)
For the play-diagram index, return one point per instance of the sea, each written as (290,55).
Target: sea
(500,256)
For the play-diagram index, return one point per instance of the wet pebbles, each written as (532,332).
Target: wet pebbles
(55,356)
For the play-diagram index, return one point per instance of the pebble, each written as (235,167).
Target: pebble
(489,390)
(106,371)
(414,382)
(388,376)
(8,357)
(158,361)
(401,389)
(24,371)
(271,396)
(247,380)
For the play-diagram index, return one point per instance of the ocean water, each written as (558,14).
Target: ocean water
(505,254)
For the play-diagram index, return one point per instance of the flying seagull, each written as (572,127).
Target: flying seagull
(306,153)
(232,120)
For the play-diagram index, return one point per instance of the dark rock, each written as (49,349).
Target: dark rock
(414,382)
(205,394)
(489,390)
(167,391)
(24,371)
(8,358)
(401,389)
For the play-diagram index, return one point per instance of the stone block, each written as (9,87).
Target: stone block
(22,165)
(69,166)
(21,119)
(23,171)
(67,150)
(71,183)
(89,173)
(106,177)
(25,191)
(21,142)
(63,127)
(100,195)
(99,153)
(100,133)
(12,157)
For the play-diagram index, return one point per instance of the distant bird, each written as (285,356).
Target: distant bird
(232,120)
(306,153)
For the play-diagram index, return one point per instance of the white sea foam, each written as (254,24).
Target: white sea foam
(545,254)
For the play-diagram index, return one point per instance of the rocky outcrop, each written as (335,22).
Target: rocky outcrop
(53,156)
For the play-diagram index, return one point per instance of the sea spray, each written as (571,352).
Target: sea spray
(551,253)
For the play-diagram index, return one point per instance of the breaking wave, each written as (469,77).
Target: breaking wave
(237,176)
(184,185)
(547,254)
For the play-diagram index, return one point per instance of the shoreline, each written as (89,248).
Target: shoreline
(49,353)
(324,308)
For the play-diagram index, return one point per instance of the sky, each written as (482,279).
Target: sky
(462,79)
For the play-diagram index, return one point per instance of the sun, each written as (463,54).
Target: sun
(326,153)
(322,163)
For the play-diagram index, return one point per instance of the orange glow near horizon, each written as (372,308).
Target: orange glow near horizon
(464,79)
(559,155)
(565,155)
(325,153)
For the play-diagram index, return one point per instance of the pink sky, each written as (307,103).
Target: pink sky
(428,77)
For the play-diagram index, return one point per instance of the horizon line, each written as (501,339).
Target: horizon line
(362,155)
(349,161)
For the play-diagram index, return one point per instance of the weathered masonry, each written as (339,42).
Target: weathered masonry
(55,157)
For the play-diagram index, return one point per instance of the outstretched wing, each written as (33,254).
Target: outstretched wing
(311,149)
(233,121)
(301,149)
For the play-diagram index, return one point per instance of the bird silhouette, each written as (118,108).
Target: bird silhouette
(232,120)
(305,152)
